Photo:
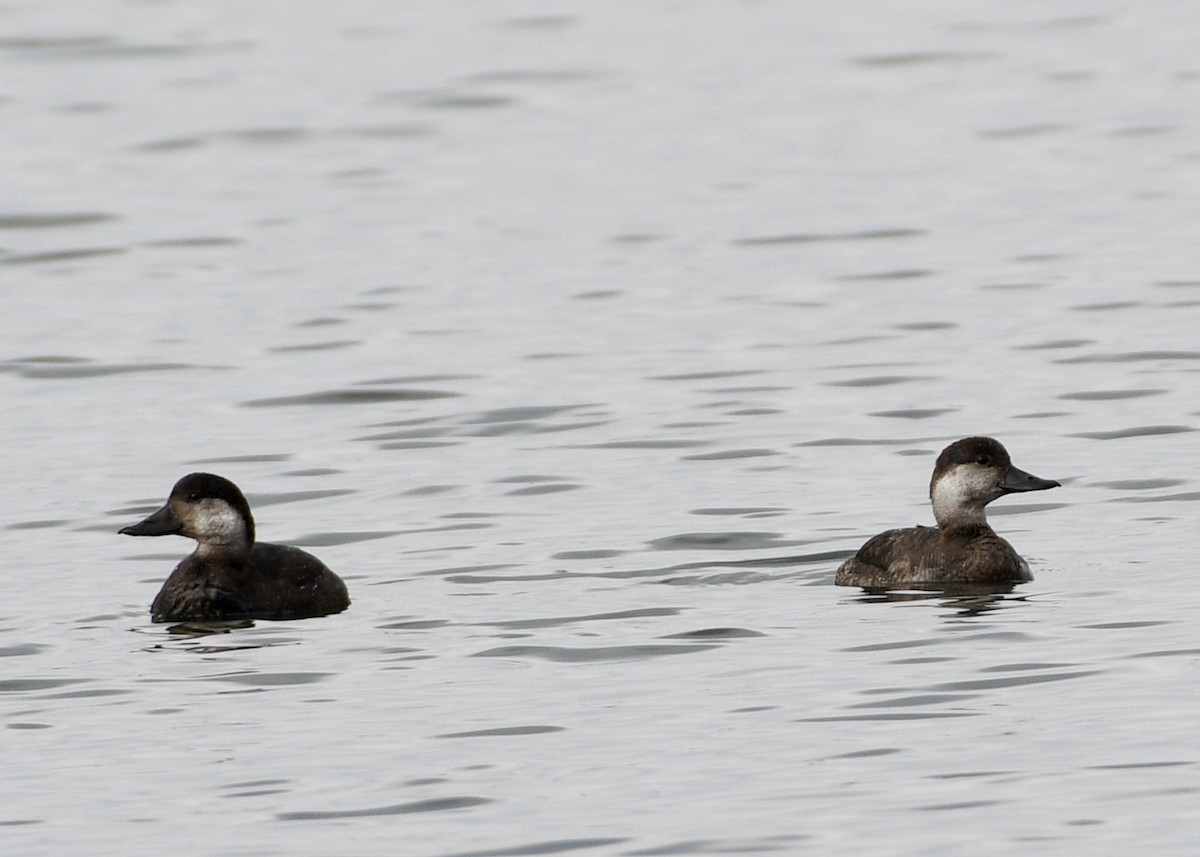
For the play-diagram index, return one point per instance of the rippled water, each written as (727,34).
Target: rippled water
(585,343)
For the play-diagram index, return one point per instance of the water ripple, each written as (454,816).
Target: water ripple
(898,274)
(1140,484)
(317,540)
(924,58)
(65,255)
(645,444)
(714,634)
(1167,653)
(535,849)
(24,685)
(524,414)
(879,380)
(918,699)
(79,367)
(856,718)
(278,497)
(646,612)
(433,805)
(734,540)
(1133,431)
(267,679)
(1110,395)
(1132,357)
(748,511)
(1010,681)
(536,77)
(914,413)
(350,397)
(817,237)
(862,441)
(52,221)
(731,454)
(678,574)
(746,845)
(1181,497)
(563,654)
(503,731)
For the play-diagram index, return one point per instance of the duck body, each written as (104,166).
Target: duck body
(272,582)
(932,555)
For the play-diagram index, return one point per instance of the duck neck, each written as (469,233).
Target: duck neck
(236,549)
(953,510)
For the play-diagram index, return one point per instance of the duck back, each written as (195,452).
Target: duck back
(932,555)
(272,582)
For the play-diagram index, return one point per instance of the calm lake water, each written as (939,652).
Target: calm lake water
(584,341)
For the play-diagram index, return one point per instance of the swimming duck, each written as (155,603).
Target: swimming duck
(230,575)
(962,548)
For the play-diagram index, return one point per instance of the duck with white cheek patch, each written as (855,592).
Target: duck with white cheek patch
(962,548)
(230,575)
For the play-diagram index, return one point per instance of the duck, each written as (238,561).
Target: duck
(230,575)
(962,548)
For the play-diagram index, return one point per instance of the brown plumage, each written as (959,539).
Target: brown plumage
(962,548)
(230,575)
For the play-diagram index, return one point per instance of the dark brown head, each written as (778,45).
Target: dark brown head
(204,507)
(972,472)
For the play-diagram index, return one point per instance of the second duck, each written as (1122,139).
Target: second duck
(962,548)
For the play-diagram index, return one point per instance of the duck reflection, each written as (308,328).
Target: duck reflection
(965,599)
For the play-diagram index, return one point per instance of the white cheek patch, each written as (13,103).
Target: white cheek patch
(961,494)
(216,522)
(949,498)
(950,491)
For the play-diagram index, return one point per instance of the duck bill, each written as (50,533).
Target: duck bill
(1017,480)
(161,523)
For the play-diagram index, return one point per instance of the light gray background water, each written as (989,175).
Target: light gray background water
(584,340)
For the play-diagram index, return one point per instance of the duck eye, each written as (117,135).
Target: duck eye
(985,460)
(193,497)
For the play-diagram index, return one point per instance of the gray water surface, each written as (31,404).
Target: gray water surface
(585,342)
